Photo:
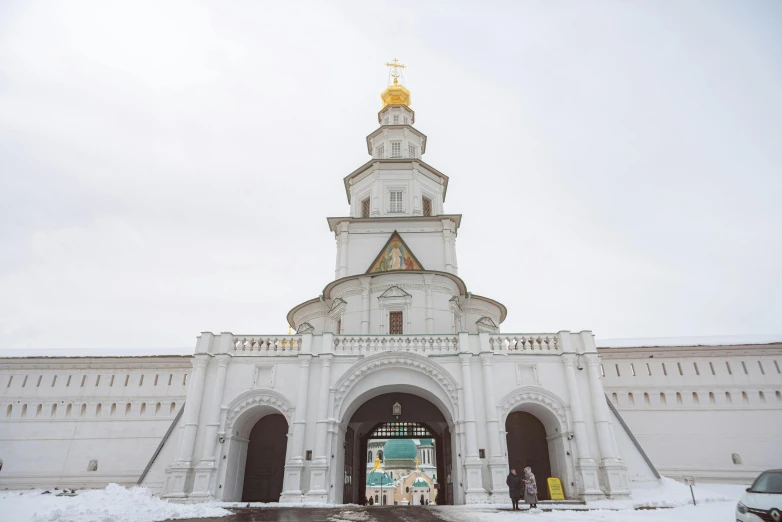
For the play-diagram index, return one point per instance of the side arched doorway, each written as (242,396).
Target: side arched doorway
(528,447)
(265,465)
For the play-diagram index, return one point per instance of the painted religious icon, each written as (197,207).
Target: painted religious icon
(395,256)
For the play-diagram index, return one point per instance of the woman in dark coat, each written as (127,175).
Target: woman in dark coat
(514,488)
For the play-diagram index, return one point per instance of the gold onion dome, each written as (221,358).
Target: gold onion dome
(395,95)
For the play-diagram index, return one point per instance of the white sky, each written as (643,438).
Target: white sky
(166,168)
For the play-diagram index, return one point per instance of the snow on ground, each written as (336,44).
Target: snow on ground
(710,512)
(716,503)
(670,501)
(113,504)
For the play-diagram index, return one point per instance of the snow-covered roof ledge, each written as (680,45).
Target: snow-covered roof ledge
(93,352)
(715,340)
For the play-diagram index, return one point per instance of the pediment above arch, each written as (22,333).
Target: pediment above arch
(374,363)
(251,398)
(535,395)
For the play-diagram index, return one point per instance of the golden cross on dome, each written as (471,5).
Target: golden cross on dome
(395,70)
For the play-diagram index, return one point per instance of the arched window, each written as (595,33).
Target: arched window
(380,455)
(369,456)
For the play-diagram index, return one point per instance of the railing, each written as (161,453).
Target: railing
(360,345)
(366,345)
(514,343)
(401,155)
(267,345)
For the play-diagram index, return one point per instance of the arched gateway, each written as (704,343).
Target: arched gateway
(389,393)
(396,328)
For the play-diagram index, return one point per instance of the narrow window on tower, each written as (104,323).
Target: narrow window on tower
(365,207)
(396,119)
(427,204)
(339,326)
(396,149)
(380,151)
(395,323)
(395,201)
(412,151)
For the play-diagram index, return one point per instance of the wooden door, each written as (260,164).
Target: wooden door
(265,468)
(347,474)
(447,484)
(527,446)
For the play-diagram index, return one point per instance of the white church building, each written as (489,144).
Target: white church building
(396,346)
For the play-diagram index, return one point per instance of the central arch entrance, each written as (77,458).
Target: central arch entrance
(411,446)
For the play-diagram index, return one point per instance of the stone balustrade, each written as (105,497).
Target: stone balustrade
(263,345)
(362,345)
(514,343)
(423,344)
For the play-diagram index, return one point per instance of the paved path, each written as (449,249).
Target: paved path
(335,514)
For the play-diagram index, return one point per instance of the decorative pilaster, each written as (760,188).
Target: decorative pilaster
(498,463)
(365,281)
(428,279)
(343,237)
(319,468)
(178,475)
(207,467)
(294,467)
(474,493)
(612,468)
(448,237)
(586,468)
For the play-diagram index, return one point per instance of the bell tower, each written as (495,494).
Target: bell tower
(396,270)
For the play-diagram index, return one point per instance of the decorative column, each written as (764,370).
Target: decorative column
(586,468)
(612,468)
(448,245)
(208,464)
(365,304)
(178,474)
(428,279)
(498,462)
(294,467)
(474,493)
(343,236)
(319,468)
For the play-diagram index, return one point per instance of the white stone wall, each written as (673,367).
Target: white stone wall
(318,385)
(322,380)
(693,408)
(58,414)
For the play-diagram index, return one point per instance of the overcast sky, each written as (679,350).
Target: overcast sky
(167,168)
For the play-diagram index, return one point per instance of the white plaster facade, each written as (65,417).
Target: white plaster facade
(450,354)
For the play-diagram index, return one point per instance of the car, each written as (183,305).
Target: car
(762,502)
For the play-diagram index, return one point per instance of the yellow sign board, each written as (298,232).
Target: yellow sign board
(555,489)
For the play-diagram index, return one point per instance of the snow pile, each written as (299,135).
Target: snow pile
(670,493)
(113,504)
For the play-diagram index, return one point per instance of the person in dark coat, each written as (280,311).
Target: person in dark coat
(514,488)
